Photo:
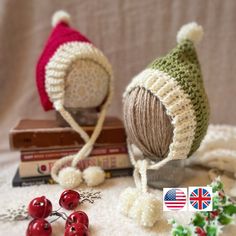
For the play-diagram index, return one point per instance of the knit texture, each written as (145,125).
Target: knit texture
(182,65)
(76,73)
(61,34)
(178,107)
(176,81)
(73,73)
(86,85)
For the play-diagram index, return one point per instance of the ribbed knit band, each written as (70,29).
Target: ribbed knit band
(178,106)
(183,66)
(61,61)
(61,34)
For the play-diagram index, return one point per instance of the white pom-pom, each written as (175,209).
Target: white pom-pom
(191,31)
(126,200)
(146,210)
(70,177)
(60,16)
(93,176)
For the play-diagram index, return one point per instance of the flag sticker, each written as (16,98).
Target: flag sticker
(200,199)
(174,199)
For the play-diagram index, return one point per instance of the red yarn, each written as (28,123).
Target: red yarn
(61,34)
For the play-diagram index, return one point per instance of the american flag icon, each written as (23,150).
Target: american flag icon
(174,199)
(200,198)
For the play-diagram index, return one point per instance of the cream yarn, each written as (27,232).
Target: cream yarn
(69,177)
(56,86)
(93,176)
(191,31)
(137,203)
(86,85)
(84,152)
(174,91)
(217,150)
(60,16)
(74,74)
(144,208)
(126,200)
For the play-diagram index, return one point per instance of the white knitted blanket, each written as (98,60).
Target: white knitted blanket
(217,150)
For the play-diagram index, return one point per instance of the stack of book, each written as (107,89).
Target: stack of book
(42,142)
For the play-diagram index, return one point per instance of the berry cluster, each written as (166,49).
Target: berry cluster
(40,208)
(209,223)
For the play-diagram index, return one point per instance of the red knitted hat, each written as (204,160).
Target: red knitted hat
(73,73)
(62,34)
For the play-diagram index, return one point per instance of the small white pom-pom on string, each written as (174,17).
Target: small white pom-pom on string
(146,210)
(93,176)
(191,31)
(60,16)
(126,200)
(70,178)
(137,203)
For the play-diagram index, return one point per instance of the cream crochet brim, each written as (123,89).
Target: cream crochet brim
(178,107)
(61,61)
(56,72)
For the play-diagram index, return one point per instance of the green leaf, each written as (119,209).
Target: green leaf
(199,220)
(211,230)
(229,209)
(215,203)
(224,219)
(181,231)
(217,186)
(223,200)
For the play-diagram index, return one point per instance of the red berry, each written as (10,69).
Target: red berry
(40,207)
(215,213)
(39,227)
(77,217)
(200,232)
(69,199)
(76,229)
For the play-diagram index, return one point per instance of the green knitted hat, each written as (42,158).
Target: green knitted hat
(176,80)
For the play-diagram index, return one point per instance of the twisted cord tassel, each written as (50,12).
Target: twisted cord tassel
(140,170)
(137,203)
(89,141)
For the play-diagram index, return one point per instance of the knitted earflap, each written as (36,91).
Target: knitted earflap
(176,81)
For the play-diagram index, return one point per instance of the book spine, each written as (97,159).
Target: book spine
(22,182)
(68,138)
(32,182)
(42,168)
(51,154)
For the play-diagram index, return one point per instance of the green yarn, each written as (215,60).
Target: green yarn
(182,64)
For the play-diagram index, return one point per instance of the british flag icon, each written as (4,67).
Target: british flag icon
(200,199)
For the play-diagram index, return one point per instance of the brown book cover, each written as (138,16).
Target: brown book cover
(39,180)
(49,154)
(39,134)
(43,167)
